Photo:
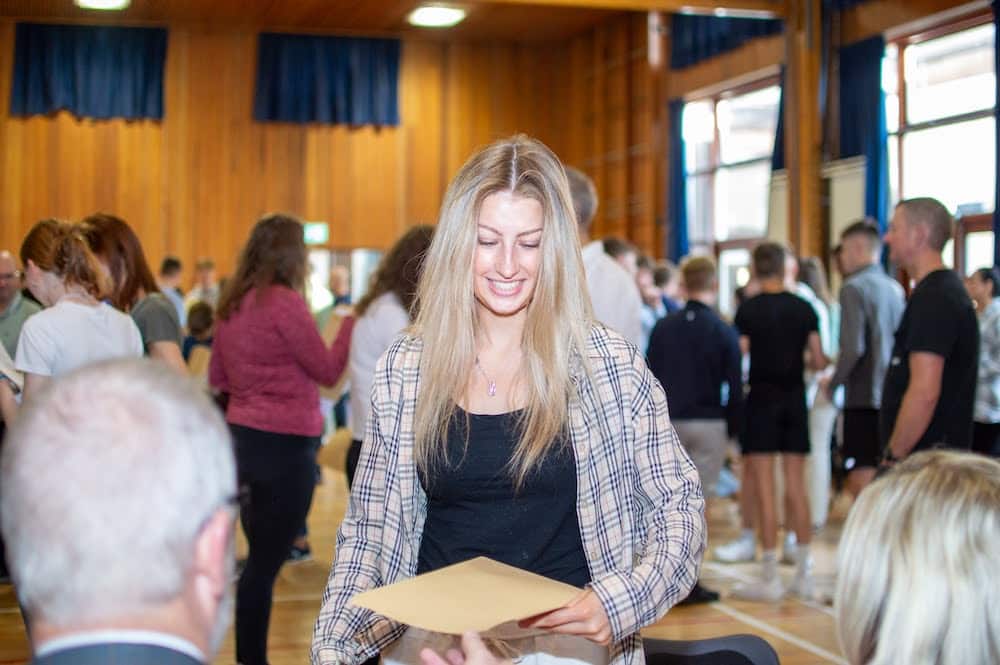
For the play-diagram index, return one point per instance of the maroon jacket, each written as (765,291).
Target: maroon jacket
(269,356)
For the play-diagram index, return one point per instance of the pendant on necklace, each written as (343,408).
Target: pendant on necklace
(491,385)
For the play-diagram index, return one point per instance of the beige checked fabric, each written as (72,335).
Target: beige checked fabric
(639,502)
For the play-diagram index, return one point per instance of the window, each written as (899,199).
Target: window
(728,143)
(940,88)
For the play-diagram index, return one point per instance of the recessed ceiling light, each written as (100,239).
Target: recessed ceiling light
(435,17)
(103,4)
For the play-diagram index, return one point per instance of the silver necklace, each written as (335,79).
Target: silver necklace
(491,385)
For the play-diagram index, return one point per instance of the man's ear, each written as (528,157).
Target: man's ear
(213,553)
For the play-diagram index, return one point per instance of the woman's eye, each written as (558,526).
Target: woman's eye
(487,243)
(530,245)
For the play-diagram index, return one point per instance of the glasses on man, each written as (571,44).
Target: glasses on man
(5,276)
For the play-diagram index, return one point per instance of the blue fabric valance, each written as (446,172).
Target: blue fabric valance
(697,38)
(841,5)
(862,120)
(677,243)
(91,71)
(340,80)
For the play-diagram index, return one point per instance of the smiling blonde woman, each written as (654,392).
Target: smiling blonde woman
(507,423)
(918,562)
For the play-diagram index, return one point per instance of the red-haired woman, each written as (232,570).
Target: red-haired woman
(134,289)
(75,328)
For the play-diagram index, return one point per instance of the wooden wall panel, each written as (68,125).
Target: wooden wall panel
(613,130)
(194,184)
(421,100)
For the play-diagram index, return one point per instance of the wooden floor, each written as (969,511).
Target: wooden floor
(802,633)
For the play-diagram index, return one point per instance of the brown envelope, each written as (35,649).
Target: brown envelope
(477,595)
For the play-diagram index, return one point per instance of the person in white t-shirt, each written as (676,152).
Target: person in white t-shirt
(76,328)
(382,313)
(613,291)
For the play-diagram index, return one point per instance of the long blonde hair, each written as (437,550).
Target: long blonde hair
(917,562)
(558,316)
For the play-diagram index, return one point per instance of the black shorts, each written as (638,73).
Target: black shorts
(777,421)
(862,446)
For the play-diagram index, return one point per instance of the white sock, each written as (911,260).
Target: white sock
(769,565)
(746,534)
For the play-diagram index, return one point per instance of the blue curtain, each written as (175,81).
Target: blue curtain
(677,247)
(862,120)
(778,157)
(840,5)
(996,119)
(91,71)
(697,38)
(340,80)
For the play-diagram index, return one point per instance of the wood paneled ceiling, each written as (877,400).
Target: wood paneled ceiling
(485,20)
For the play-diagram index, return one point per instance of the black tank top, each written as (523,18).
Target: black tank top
(473,508)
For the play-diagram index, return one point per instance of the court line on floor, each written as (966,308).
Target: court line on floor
(778,633)
(725,571)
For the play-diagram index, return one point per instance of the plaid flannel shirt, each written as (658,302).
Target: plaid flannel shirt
(639,502)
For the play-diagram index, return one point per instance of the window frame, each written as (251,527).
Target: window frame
(967,223)
(715,246)
(964,226)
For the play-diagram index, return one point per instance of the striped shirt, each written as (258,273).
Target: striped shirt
(639,502)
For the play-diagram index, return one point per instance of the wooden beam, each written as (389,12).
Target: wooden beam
(735,8)
(803,127)
(879,16)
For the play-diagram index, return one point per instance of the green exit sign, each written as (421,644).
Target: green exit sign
(317,233)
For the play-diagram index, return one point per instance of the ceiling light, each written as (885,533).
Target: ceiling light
(435,17)
(103,4)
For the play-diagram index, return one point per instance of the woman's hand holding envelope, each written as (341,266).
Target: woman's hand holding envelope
(584,616)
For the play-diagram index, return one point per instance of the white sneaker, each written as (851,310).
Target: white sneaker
(789,550)
(737,551)
(803,585)
(760,591)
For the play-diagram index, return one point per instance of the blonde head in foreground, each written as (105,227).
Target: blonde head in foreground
(917,565)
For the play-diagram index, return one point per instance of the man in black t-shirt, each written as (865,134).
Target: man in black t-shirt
(777,328)
(930,386)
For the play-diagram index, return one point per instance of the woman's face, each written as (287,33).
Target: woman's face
(508,255)
(980,289)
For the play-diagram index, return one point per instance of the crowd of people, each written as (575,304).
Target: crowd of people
(517,389)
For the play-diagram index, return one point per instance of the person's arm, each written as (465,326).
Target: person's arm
(668,490)
(356,565)
(35,358)
(217,377)
(919,402)
(733,367)
(8,403)
(852,335)
(168,353)
(817,359)
(161,331)
(297,327)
